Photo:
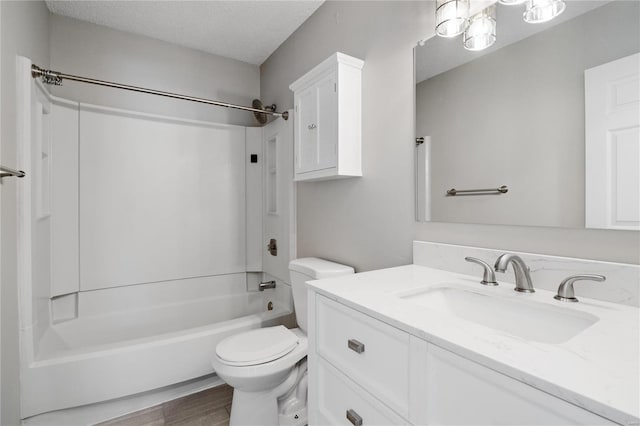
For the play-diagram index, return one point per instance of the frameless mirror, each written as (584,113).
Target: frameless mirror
(530,120)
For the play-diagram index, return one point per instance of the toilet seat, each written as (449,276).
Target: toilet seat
(257,346)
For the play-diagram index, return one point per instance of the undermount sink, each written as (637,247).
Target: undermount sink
(528,320)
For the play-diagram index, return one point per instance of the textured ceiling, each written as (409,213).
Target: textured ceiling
(245,30)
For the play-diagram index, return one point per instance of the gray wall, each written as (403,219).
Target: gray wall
(516,117)
(365,222)
(25,32)
(368,222)
(91,50)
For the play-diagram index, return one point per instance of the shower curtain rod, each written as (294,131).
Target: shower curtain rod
(55,78)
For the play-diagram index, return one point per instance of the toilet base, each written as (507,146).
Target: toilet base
(284,405)
(254,408)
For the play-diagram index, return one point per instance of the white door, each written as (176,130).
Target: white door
(279,197)
(612,143)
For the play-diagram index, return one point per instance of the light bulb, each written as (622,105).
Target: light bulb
(538,11)
(451,17)
(481,31)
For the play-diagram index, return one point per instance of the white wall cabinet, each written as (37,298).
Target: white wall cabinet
(328,120)
(363,371)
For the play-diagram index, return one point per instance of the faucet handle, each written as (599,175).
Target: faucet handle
(566,292)
(488,277)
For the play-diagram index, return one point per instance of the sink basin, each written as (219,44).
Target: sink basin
(528,320)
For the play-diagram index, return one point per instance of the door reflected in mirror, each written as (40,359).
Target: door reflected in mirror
(514,115)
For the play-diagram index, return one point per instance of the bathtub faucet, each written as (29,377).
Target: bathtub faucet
(267,284)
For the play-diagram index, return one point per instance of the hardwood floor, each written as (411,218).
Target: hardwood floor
(207,408)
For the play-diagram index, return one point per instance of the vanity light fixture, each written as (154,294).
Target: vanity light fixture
(481,30)
(538,11)
(451,17)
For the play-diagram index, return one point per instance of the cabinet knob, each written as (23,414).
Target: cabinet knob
(354,418)
(356,346)
(312,127)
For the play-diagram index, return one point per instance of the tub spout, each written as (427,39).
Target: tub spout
(267,284)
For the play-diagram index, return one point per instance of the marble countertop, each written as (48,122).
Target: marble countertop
(598,369)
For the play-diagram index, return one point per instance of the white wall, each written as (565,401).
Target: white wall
(95,51)
(25,30)
(368,222)
(160,199)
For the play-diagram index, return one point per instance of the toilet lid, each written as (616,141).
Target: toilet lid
(257,346)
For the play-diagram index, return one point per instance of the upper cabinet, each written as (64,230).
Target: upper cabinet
(328,120)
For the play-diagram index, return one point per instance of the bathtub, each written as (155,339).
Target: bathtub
(131,340)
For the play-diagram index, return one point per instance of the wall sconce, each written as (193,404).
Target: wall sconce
(481,30)
(451,17)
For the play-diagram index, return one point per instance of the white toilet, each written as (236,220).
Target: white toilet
(267,367)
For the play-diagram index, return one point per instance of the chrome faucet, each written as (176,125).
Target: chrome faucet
(523,279)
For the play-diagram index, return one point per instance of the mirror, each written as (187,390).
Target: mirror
(514,115)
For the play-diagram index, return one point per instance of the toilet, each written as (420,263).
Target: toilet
(267,367)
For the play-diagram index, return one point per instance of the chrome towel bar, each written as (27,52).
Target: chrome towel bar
(490,191)
(8,171)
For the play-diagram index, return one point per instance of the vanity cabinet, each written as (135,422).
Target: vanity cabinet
(327,120)
(363,371)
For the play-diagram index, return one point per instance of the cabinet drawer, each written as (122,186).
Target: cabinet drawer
(338,395)
(372,353)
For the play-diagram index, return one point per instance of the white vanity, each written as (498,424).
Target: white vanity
(420,344)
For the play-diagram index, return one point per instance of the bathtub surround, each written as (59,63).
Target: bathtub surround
(383,34)
(144,271)
(25,31)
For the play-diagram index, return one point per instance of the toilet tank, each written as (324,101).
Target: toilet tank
(307,269)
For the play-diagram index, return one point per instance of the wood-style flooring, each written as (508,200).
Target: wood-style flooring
(210,407)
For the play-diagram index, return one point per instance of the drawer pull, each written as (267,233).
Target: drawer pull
(356,346)
(354,418)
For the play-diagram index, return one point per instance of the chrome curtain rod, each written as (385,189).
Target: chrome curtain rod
(55,78)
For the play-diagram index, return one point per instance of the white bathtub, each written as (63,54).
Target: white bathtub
(123,343)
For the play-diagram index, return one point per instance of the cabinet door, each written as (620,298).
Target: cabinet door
(327,122)
(461,392)
(306,130)
(317,126)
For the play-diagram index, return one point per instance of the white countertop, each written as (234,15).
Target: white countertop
(598,369)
